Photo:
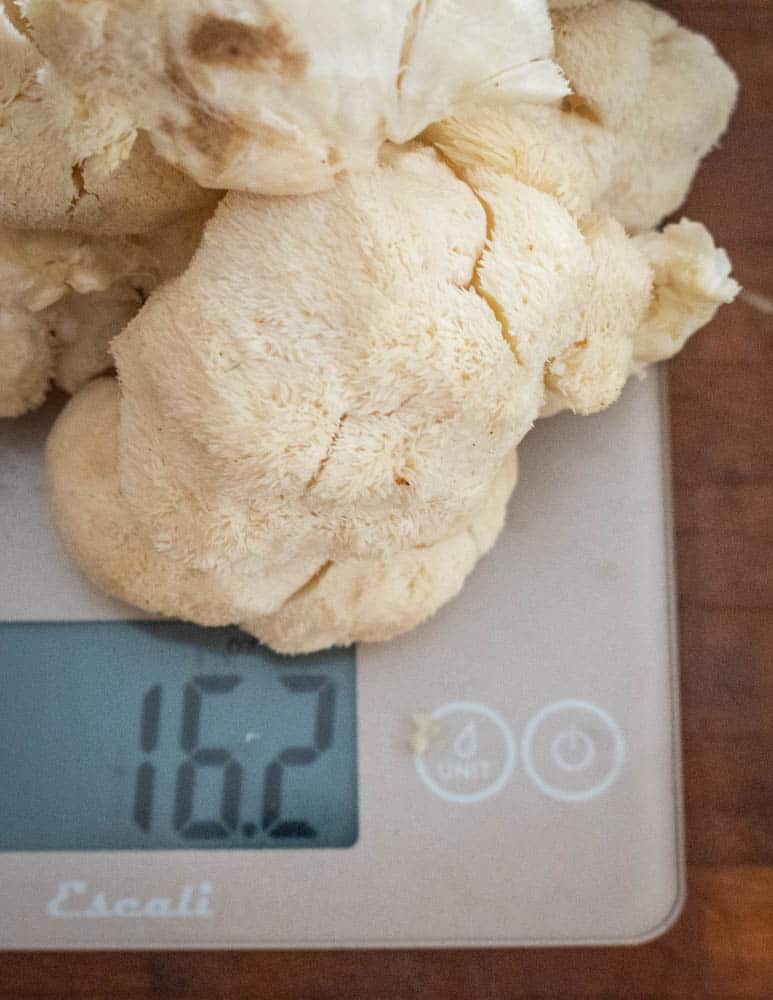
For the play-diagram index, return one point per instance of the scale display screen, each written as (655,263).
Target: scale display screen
(161,736)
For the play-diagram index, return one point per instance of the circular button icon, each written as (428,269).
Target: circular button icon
(472,756)
(573,750)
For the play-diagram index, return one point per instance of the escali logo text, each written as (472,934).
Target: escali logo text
(75,899)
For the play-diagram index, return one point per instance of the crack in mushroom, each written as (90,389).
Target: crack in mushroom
(327,456)
(312,582)
(411,31)
(475,283)
(80,186)
(17,18)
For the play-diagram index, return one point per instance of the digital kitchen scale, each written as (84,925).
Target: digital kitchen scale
(508,774)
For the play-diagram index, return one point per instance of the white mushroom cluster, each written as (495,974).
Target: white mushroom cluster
(282,96)
(65,296)
(430,239)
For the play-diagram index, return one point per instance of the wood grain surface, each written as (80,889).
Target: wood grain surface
(722,412)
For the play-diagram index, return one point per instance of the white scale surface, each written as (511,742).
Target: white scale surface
(548,810)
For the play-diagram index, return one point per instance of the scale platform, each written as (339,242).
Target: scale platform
(163,786)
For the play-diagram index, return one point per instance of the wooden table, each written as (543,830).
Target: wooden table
(722,402)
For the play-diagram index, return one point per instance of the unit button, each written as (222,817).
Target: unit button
(573,750)
(472,755)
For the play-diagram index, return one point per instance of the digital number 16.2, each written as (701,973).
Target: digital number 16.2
(196,756)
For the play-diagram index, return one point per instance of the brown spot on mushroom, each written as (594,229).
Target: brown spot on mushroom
(577,105)
(218,41)
(214,139)
(217,140)
(177,77)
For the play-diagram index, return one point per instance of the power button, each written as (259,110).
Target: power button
(573,750)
